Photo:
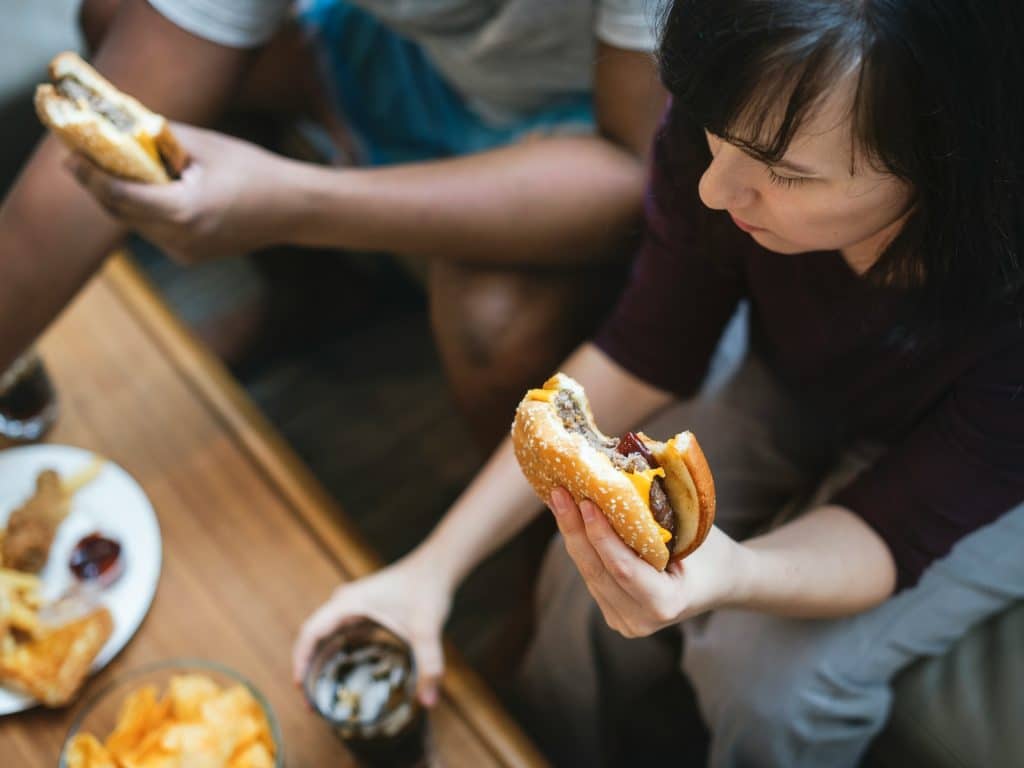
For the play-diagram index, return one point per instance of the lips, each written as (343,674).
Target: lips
(744,225)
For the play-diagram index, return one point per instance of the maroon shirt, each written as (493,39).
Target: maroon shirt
(952,415)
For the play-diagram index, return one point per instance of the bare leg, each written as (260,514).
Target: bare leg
(283,77)
(501,331)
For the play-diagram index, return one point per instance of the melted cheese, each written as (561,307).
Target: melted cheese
(148,143)
(642,482)
(544,395)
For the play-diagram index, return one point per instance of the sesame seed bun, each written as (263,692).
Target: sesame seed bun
(551,456)
(140,154)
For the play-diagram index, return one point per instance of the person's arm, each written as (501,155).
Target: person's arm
(467,535)
(413,595)
(827,563)
(544,200)
(53,236)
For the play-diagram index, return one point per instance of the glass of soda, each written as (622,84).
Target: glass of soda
(28,402)
(362,680)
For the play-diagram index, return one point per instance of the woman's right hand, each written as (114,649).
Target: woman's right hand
(404,597)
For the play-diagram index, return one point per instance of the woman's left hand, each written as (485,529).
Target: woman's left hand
(636,599)
(232,198)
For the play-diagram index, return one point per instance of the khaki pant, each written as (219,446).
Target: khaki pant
(772,691)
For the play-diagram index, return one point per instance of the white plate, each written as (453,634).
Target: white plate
(112,504)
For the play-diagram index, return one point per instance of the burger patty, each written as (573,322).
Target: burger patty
(76,90)
(628,455)
(661,508)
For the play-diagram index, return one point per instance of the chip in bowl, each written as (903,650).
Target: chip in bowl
(194,721)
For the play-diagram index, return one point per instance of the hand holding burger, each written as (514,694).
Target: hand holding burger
(194,193)
(625,505)
(658,497)
(117,133)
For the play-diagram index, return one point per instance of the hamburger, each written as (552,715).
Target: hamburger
(658,496)
(111,128)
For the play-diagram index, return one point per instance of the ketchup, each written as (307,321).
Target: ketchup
(631,443)
(96,558)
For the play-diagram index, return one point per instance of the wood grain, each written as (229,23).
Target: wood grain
(252,543)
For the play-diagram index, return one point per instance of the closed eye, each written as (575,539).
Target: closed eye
(785,181)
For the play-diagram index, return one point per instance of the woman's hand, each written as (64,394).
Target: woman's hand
(636,599)
(232,198)
(407,598)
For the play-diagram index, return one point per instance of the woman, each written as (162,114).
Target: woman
(852,170)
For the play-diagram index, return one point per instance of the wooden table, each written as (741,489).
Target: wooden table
(252,543)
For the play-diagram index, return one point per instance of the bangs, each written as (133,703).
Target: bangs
(752,76)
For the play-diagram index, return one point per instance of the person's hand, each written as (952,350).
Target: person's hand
(635,599)
(232,198)
(406,599)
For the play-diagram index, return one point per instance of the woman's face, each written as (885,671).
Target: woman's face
(810,200)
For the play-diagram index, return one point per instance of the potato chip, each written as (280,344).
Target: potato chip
(187,694)
(151,746)
(86,751)
(197,745)
(195,725)
(159,760)
(231,709)
(133,722)
(253,756)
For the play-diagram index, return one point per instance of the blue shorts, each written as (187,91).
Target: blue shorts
(399,107)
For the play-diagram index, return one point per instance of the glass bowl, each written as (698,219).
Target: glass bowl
(98,715)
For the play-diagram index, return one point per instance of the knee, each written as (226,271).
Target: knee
(483,316)
(490,317)
(740,694)
(499,331)
(780,698)
(94,19)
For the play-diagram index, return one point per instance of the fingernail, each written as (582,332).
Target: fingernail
(429,697)
(558,501)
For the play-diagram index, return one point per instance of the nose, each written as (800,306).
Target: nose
(727,182)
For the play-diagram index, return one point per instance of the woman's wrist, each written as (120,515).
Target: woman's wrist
(433,559)
(744,577)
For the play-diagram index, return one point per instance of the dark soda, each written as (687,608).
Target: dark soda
(363,682)
(28,402)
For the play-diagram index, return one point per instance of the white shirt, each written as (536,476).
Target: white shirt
(505,57)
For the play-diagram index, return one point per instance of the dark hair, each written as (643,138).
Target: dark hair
(938,102)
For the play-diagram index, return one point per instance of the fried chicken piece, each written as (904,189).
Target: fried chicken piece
(31,527)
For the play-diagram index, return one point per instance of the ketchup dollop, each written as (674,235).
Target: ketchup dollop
(96,558)
(631,443)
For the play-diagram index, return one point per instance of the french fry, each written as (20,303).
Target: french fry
(6,605)
(84,476)
(19,601)
(23,618)
(26,582)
